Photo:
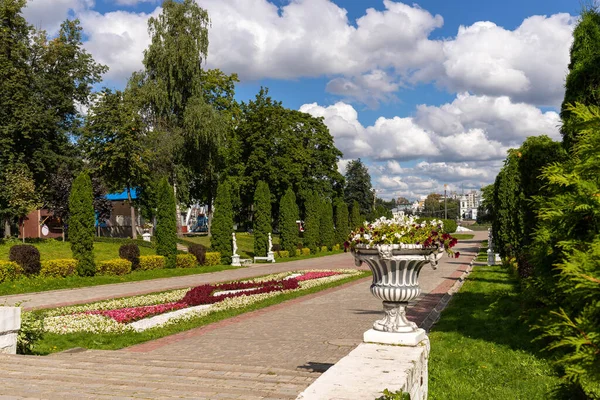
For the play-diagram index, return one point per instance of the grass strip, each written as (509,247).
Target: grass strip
(52,343)
(481,350)
(462,236)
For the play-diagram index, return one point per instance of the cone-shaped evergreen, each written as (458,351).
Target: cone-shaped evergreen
(288,215)
(341,222)
(81,224)
(311,221)
(356,219)
(222,224)
(166,225)
(327,232)
(261,223)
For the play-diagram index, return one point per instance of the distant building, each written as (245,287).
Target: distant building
(469,202)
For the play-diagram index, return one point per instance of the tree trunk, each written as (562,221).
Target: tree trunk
(133,224)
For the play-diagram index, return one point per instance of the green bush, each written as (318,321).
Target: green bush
(261,223)
(59,268)
(283,254)
(450,225)
(305,251)
(117,266)
(27,256)
(152,262)
(81,224)
(199,251)
(222,224)
(32,330)
(186,261)
(336,247)
(326,229)
(342,229)
(311,221)
(212,258)
(130,252)
(324,249)
(9,271)
(166,225)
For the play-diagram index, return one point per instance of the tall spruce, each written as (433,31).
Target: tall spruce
(288,215)
(81,224)
(222,223)
(311,221)
(327,232)
(261,223)
(356,219)
(341,222)
(166,225)
(358,186)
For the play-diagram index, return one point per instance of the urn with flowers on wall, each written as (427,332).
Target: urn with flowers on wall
(396,250)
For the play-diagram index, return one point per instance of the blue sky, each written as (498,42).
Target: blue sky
(425,93)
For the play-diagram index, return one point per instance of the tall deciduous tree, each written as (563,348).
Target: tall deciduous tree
(166,226)
(288,215)
(222,226)
(81,224)
(20,193)
(261,223)
(113,138)
(358,186)
(341,222)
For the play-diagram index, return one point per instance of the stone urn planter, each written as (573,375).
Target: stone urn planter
(396,269)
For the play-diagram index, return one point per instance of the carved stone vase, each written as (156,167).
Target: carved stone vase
(396,271)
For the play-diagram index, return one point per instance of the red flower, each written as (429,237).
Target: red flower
(457,254)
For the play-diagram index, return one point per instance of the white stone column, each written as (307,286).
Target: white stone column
(10,323)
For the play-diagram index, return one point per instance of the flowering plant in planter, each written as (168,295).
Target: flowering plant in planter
(405,232)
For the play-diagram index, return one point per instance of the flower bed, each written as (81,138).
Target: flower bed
(159,309)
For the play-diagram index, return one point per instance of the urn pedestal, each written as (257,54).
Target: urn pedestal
(396,271)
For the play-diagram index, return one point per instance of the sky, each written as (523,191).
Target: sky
(426,94)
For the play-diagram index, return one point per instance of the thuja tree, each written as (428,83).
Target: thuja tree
(288,215)
(81,224)
(311,221)
(356,219)
(261,223)
(222,224)
(166,224)
(341,222)
(327,233)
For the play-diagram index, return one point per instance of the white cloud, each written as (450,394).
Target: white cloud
(48,15)
(131,3)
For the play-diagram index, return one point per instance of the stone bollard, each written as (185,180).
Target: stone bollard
(10,323)
(491,259)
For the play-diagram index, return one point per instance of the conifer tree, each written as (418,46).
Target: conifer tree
(311,222)
(341,222)
(222,224)
(166,226)
(356,219)
(261,223)
(81,224)
(327,233)
(288,215)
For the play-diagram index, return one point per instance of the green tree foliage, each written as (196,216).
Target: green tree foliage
(312,223)
(485,211)
(81,224)
(166,225)
(285,148)
(262,218)
(380,211)
(356,219)
(19,194)
(113,140)
(342,227)
(327,231)
(583,80)
(222,224)
(358,187)
(288,215)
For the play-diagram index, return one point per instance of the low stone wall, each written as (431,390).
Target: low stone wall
(371,368)
(10,323)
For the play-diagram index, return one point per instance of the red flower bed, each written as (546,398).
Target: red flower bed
(315,275)
(126,315)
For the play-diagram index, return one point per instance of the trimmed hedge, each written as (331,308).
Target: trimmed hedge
(282,254)
(152,262)
(305,251)
(9,271)
(212,258)
(139,242)
(336,247)
(186,261)
(131,253)
(324,249)
(27,256)
(117,266)
(59,268)
(199,251)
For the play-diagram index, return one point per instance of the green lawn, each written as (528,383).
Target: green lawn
(481,350)
(53,249)
(482,255)
(52,343)
(245,243)
(462,236)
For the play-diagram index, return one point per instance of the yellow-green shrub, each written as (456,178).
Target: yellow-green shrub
(336,247)
(305,251)
(117,266)
(186,261)
(284,254)
(59,268)
(151,262)
(9,271)
(212,258)
(323,249)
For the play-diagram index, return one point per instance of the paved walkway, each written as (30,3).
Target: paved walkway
(273,353)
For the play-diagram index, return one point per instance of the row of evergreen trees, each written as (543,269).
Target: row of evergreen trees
(326,223)
(82,221)
(546,217)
